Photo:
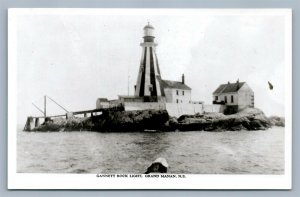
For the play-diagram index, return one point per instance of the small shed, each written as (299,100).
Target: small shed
(102,103)
(238,95)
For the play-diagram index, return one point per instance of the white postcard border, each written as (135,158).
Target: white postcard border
(192,181)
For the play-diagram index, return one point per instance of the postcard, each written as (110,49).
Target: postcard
(149,98)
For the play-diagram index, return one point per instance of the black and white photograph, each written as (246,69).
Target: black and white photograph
(150,98)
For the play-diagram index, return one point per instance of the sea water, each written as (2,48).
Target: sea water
(195,152)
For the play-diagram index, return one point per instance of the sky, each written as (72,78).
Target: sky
(76,59)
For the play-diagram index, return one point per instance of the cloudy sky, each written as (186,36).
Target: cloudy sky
(76,58)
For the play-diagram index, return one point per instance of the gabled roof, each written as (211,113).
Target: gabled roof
(174,85)
(229,87)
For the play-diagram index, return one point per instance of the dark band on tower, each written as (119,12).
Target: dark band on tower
(149,79)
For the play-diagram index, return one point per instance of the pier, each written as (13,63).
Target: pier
(35,121)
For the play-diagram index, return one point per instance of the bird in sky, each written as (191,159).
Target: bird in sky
(270,85)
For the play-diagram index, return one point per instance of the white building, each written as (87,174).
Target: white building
(176,91)
(237,95)
(102,103)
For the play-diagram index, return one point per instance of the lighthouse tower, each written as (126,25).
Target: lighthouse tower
(149,83)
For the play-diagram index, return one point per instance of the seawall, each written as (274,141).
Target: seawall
(175,109)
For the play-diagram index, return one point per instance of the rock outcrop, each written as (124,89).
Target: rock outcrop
(110,121)
(62,124)
(159,120)
(131,120)
(277,121)
(248,119)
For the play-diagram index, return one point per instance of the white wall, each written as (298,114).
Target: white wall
(213,108)
(172,97)
(178,109)
(245,96)
(174,109)
(100,104)
(130,106)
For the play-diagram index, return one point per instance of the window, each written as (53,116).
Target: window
(176,92)
(231,98)
(176,100)
(182,92)
(225,99)
(216,98)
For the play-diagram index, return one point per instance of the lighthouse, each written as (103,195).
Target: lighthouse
(150,87)
(149,82)
(153,92)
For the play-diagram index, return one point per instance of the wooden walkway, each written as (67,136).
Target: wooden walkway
(115,108)
(33,122)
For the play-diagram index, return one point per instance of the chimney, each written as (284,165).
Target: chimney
(228,82)
(182,79)
(238,84)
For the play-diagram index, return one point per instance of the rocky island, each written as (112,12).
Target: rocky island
(168,103)
(159,120)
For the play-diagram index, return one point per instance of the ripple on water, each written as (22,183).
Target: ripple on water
(243,152)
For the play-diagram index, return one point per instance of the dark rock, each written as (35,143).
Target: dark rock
(131,120)
(248,119)
(159,120)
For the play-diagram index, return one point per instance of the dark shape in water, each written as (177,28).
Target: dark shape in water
(160,165)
